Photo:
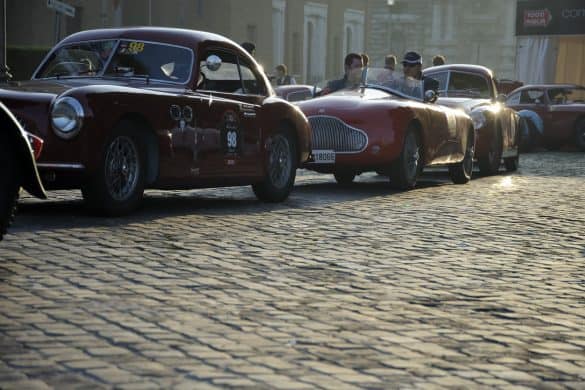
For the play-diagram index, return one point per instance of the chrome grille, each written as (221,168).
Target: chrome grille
(331,133)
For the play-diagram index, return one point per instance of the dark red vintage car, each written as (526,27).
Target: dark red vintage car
(560,110)
(121,110)
(18,150)
(386,125)
(473,89)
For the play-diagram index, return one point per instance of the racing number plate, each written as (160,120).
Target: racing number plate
(324,156)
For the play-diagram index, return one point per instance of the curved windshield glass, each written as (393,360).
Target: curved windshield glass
(123,58)
(78,59)
(395,82)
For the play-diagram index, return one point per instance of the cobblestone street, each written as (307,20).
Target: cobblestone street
(460,286)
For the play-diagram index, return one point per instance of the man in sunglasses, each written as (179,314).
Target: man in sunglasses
(412,65)
(412,68)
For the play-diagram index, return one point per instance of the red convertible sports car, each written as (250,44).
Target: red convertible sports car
(121,110)
(473,89)
(560,110)
(387,125)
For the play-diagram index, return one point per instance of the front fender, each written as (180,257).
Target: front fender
(31,181)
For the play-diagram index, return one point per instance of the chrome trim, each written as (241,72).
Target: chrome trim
(60,166)
(334,138)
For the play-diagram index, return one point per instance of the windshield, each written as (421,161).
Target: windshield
(120,59)
(79,59)
(395,82)
(462,84)
(566,95)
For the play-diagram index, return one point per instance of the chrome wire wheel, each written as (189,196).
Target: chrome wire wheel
(122,165)
(411,155)
(280,161)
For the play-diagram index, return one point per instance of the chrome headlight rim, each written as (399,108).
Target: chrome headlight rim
(67,128)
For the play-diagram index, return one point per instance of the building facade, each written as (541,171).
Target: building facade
(310,37)
(464,31)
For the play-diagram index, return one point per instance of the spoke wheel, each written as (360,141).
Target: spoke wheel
(461,172)
(118,185)
(122,168)
(281,165)
(406,169)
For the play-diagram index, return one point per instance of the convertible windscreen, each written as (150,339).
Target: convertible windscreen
(120,59)
(395,82)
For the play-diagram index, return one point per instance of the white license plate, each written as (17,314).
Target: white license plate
(324,156)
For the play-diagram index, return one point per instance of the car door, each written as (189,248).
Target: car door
(227,117)
(561,125)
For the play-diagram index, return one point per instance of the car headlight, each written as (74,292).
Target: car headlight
(67,117)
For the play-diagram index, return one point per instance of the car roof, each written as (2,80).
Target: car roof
(460,67)
(548,86)
(177,36)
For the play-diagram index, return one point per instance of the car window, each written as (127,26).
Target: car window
(153,60)
(224,79)
(513,99)
(441,77)
(566,95)
(468,85)
(252,84)
(532,96)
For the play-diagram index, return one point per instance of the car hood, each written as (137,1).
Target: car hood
(348,102)
(466,104)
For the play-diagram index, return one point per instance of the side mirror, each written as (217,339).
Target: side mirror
(430,96)
(213,62)
(501,98)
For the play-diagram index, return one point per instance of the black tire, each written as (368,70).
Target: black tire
(529,137)
(281,166)
(9,183)
(461,172)
(344,177)
(512,163)
(117,187)
(405,170)
(490,164)
(580,135)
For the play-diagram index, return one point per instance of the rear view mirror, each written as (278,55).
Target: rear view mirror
(213,62)
(430,96)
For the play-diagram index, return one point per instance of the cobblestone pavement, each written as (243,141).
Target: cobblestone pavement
(473,286)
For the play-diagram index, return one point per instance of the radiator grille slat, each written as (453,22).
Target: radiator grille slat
(332,133)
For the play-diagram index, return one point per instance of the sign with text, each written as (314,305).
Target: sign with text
(545,17)
(61,7)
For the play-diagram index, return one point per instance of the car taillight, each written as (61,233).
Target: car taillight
(36,143)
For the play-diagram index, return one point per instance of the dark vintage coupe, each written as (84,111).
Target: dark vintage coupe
(560,113)
(389,126)
(122,110)
(473,89)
